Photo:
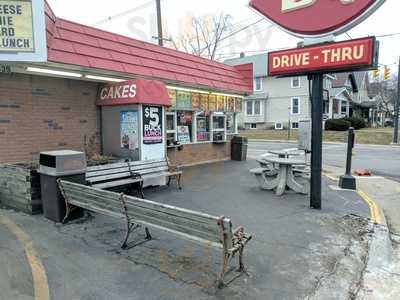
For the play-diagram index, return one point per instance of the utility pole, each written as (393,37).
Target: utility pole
(396,110)
(159,24)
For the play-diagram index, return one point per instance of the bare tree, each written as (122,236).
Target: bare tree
(385,92)
(202,36)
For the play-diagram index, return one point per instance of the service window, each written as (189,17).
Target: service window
(184,127)
(203,127)
(219,127)
(171,128)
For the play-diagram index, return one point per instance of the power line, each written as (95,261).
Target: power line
(123,14)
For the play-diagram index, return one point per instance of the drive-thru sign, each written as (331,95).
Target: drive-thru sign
(319,21)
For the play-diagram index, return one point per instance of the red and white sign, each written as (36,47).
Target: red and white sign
(324,58)
(316,17)
(138,91)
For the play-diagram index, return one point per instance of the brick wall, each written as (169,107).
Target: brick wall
(42,113)
(197,153)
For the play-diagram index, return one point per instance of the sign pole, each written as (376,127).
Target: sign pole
(396,110)
(316,140)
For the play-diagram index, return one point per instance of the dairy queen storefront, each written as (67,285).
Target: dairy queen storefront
(110,95)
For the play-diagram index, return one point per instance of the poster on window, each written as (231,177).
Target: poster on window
(172,97)
(195,101)
(129,130)
(212,103)
(238,105)
(184,101)
(231,104)
(220,103)
(152,125)
(204,102)
(183,134)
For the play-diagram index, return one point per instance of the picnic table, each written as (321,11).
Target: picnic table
(285,153)
(283,177)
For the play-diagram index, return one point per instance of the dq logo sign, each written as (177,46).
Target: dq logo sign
(316,17)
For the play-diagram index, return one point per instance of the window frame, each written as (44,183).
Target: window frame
(171,131)
(255,84)
(298,106)
(213,130)
(253,108)
(294,128)
(292,80)
(251,126)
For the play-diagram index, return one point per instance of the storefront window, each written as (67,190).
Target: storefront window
(171,128)
(218,127)
(203,127)
(184,127)
(230,124)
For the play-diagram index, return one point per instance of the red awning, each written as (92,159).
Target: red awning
(138,91)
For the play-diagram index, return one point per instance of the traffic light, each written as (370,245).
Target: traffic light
(376,73)
(386,75)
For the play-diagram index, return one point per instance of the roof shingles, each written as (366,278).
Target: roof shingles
(76,44)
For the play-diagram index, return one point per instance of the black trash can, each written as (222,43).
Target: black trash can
(239,148)
(66,165)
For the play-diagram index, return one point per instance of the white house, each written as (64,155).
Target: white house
(281,102)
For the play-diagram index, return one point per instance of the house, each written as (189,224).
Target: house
(278,103)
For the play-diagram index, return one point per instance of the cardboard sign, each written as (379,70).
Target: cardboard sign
(316,17)
(152,125)
(324,58)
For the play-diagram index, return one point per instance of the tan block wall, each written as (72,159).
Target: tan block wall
(198,153)
(42,113)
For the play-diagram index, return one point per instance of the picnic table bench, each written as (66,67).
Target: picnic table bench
(131,172)
(284,176)
(191,225)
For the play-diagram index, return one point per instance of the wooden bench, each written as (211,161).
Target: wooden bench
(131,172)
(195,226)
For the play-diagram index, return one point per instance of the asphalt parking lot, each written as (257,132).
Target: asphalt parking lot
(296,252)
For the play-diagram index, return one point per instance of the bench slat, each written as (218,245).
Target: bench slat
(122,169)
(115,183)
(137,212)
(121,165)
(155,214)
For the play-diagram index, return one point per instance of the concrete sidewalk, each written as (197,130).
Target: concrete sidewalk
(382,275)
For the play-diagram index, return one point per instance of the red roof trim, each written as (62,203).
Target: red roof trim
(77,44)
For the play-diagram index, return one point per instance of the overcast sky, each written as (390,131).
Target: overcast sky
(136,18)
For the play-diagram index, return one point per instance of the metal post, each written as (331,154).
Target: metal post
(396,110)
(159,23)
(348,181)
(316,140)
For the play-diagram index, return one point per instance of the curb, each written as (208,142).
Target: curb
(326,143)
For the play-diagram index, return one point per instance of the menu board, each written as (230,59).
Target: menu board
(195,101)
(231,104)
(172,97)
(220,103)
(212,103)
(238,105)
(129,130)
(184,100)
(204,102)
